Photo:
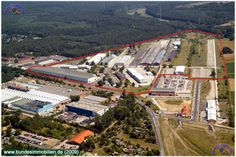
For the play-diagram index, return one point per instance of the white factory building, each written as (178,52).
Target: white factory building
(84,66)
(136,75)
(177,42)
(123,61)
(45,62)
(34,95)
(179,69)
(211,111)
(97,58)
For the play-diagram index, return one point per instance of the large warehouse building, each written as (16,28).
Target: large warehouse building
(123,61)
(32,94)
(88,106)
(211,111)
(34,106)
(180,69)
(97,58)
(66,73)
(136,75)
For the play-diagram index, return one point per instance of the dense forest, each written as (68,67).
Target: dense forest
(77,28)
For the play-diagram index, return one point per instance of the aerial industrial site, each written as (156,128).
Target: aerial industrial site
(148,71)
(171,95)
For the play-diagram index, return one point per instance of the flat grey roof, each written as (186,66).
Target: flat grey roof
(65,72)
(92,107)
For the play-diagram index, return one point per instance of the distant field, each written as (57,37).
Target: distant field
(139,11)
(231,85)
(229,58)
(228,43)
(230,69)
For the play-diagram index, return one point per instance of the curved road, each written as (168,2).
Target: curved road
(155,122)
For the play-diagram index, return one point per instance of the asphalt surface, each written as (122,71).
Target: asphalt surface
(155,122)
(196,99)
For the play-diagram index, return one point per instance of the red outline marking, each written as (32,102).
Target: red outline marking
(138,43)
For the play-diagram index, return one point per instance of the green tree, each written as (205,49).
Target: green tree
(8,131)
(75,98)
(100,83)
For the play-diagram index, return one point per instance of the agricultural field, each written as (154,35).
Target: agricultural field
(228,43)
(231,85)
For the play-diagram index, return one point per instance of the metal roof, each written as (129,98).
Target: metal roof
(65,72)
(124,59)
(91,107)
(109,59)
(180,68)
(159,57)
(33,95)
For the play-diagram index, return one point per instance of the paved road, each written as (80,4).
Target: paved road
(195,106)
(155,122)
(211,62)
(196,99)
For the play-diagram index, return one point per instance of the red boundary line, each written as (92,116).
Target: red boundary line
(138,43)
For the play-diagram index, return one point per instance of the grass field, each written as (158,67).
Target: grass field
(192,139)
(205,88)
(136,89)
(181,59)
(174,102)
(198,140)
(230,69)
(200,58)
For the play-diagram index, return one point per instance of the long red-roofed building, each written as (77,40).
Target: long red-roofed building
(81,137)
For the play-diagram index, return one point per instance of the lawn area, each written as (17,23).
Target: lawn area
(230,69)
(154,107)
(136,89)
(200,58)
(174,102)
(173,145)
(181,58)
(205,88)
(198,139)
(133,141)
(222,90)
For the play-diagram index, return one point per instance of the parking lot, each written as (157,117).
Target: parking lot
(181,84)
(201,72)
(65,145)
(36,140)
